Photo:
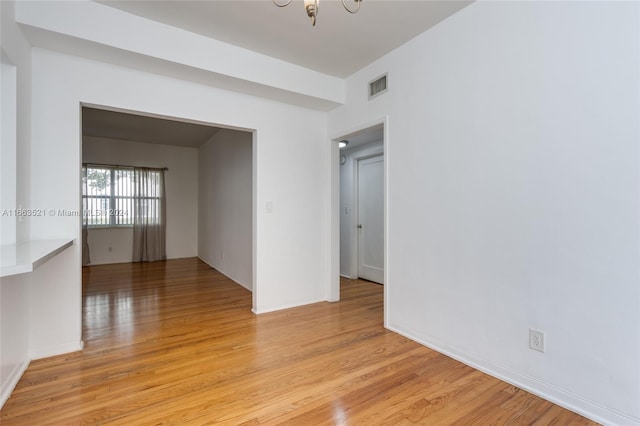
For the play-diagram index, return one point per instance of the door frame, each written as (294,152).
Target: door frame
(333,211)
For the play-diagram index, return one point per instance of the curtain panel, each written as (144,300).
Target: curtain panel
(149,215)
(86,259)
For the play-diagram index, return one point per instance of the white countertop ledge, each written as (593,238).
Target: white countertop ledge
(25,257)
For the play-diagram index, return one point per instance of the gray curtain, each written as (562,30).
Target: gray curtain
(85,219)
(149,212)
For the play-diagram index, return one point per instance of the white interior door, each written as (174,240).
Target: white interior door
(371,219)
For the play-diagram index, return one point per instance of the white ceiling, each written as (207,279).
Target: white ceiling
(131,127)
(365,136)
(339,45)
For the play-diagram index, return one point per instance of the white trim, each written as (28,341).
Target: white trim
(385,150)
(254,219)
(287,306)
(7,388)
(559,396)
(332,223)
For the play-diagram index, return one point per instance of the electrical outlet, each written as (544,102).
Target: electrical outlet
(536,340)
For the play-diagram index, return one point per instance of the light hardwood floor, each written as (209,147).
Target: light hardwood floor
(175,343)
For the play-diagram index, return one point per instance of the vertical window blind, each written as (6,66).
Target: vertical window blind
(111,193)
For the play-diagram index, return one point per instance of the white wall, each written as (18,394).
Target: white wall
(181,187)
(512,158)
(15,179)
(14,332)
(16,134)
(225,204)
(8,83)
(110,245)
(348,208)
(86,28)
(289,142)
(512,189)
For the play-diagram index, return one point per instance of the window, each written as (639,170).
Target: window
(110,195)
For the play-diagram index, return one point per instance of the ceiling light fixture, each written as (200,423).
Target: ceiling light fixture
(311,6)
(343,143)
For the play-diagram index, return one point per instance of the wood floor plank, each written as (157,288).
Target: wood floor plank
(175,343)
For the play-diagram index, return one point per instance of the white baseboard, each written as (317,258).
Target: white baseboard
(128,260)
(282,307)
(12,381)
(107,262)
(57,350)
(545,390)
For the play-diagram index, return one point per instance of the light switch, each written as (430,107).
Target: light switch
(269,207)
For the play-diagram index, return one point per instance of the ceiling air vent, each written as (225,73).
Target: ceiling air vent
(378,86)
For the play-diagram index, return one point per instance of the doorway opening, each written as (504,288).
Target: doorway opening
(196,158)
(359,206)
